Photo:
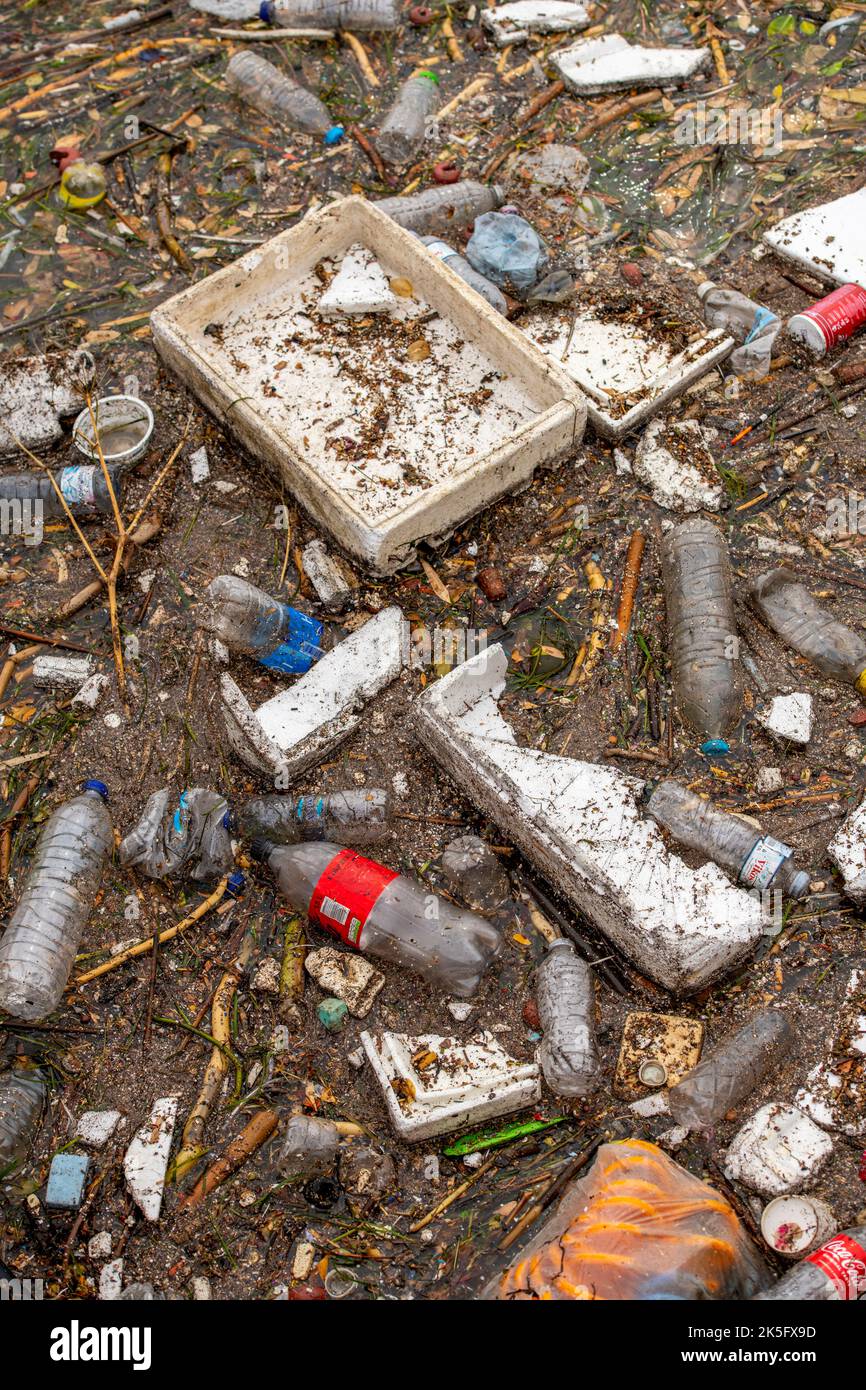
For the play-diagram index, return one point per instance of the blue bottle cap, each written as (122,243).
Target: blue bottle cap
(334,135)
(236,884)
(266,11)
(230,820)
(715,747)
(95,786)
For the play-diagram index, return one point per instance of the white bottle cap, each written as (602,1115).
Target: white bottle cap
(704,288)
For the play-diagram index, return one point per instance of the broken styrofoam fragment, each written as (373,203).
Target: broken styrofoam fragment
(302,724)
(826,240)
(611,64)
(847,850)
(36,391)
(347,976)
(832,1099)
(66,1178)
(91,692)
(359,287)
(654,1104)
(769,779)
(581,824)
(95,1127)
(99,1246)
(111,1281)
(266,978)
(146,1160)
(62,672)
(778,1150)
(199,465)
(789,718)
(332,588)
(510,24)
(454,1083)
(460,1009)
(675,461)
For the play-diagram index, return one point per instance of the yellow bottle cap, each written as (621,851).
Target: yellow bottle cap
(82,185)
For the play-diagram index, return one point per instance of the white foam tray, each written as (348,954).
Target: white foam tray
(827,240)
(450,434)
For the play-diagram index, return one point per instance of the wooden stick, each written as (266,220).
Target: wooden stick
(452,1197)
(373,155)
(260,1127)
(629,589)
(478,84)
(260,35)
(163,212)
(141,948)
(455,52)
(362,58)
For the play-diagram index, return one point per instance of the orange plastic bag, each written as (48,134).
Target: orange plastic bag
(638,1226)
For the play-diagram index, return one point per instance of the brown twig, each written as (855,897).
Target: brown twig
(629,589)
(260,1128)
(163,211)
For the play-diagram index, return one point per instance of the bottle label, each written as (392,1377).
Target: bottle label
(76,483)
(346,894)
(844,1263)
(838,315)
(763,862)
(441,249)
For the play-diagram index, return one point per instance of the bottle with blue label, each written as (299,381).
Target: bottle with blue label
(249,621)
(357,817)
(186,832)
(757,860)
(83,487)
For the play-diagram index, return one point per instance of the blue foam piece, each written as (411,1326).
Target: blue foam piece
(66,1179)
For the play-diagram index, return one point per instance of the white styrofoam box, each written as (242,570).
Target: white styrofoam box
(847,850)
(471,1081)
(684,481)
(582,826)
(300,725)
(510,24)
(778,1150)
(831,1099)
(614,363)
(610,63)
(381,449)
(827,240)
(789,718)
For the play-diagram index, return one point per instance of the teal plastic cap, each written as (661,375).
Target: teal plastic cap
(334,135)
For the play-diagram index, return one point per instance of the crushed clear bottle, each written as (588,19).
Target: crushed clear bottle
(357,817)
(789,609)
(565,998)
(732,1071)
(252,78)
(249,621)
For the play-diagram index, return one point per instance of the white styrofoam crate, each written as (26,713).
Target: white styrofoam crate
(381,450)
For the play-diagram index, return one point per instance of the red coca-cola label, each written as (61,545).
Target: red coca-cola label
(844,1262)
(840,314)
(346,893)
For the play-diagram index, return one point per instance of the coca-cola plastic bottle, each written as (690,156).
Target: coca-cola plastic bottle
(566,1007)
(834,1273)
(731,1072)
(379,911)
(790,610)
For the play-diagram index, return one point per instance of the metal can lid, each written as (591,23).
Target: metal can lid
(652,1072)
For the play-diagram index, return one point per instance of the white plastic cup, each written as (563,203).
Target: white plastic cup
(794,1226)
(112,413)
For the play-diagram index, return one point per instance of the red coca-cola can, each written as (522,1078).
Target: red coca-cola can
(831,320)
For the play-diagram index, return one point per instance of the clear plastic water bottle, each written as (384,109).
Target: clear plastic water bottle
(361,16)
(357,817)
(790,610)
(731,1072)
(384,914)
(188,832)
(459,264)
(83,487)
(701,626)
(22,1095)
(40,942)
(402,132)
(248,620)
(751,324)
(474,874)
(507,250)
(834,1273)
(444,208)
(252,78)
(566,1007)
(309,1147)
(757,860)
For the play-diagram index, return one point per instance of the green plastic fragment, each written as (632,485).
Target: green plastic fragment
(492,1138)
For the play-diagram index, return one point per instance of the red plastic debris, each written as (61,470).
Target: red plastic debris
(446,172)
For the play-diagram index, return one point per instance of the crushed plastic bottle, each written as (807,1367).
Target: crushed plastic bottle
(758,861)
(566,1007)
(507,250)
(357,817)
(22,1095)
(309,1147)
(366,1172)
(360,16)
(701,626)
(402,132)
(376,910)
(790,610)
(555,288)
(83,487)
(252,78)
(731,1072)
(473,873)
(446,208)
(39,944)
(751,324)
(248,620)
(834,1273)
(188,833)
(459,264)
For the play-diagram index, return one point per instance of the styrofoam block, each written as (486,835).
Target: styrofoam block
(298,726)
(831,1099)
(688,481)
(654,1104)
(346,975)
(827,240)
(610,64)
(359,287)
(789,718)
(470,1082)
(36,391)
(111,1280)
(847,850)
(95,1127)
(199,466)
(146,1160)
(582,826)
(514,23)
(382,452)
(62,672)
(91,692)
(778,1150)
(332,589)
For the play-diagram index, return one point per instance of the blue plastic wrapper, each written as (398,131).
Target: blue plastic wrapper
(507,250)
(300,647)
